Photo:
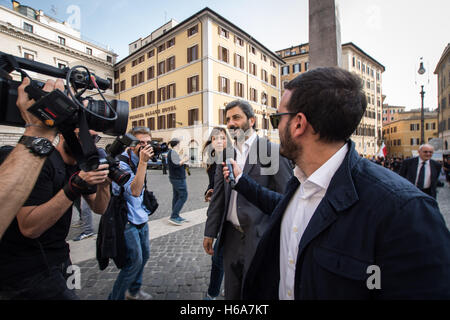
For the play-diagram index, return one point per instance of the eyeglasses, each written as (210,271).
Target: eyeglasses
(275,118)
(145,142)
(428,152)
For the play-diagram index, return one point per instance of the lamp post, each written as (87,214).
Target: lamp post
(421,73)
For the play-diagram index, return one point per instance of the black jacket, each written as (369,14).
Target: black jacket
(409,171)
(111,233)
(369,216)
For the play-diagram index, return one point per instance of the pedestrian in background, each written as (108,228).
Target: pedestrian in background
(214,149)
(177,177)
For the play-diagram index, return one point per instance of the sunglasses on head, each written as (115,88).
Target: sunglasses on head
(275,118)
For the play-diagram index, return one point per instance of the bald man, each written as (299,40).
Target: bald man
(422,171)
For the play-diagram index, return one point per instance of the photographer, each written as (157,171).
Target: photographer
(33,252)
(21,169)
(129,281)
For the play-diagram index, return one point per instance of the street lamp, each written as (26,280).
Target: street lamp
(421,73)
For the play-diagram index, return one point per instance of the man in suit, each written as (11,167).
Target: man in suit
(422,171)
(233,220)
(345,228)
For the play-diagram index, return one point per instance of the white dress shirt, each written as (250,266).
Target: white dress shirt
(241,158)
(427,181)
(298,213)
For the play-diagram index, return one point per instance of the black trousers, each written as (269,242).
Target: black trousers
(233,261)
(50,284)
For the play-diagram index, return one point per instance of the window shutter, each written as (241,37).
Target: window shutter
(220,53)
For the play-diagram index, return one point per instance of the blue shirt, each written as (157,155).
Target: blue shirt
(137,211)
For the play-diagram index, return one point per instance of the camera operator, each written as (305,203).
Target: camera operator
(33,252)
(21,169)
(129,281)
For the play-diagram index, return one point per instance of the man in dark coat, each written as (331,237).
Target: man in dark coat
(345,228)
(422,171)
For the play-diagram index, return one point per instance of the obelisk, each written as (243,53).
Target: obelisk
(324,34)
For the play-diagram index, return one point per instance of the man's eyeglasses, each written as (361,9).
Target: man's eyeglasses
(145,142)
(275,118)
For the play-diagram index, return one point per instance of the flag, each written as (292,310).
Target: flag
(383,151)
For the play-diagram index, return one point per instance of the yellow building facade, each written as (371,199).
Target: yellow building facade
(367,137)
(179,83)
(443,74)
(402,135)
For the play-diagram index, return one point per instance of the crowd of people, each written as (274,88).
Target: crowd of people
(306,219)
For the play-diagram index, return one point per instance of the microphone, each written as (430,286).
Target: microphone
(231,176)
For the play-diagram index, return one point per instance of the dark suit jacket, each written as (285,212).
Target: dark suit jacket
(249,216)
(369,216)
(409,171)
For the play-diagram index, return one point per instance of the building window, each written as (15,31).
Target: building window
(192,53)
(239,89)
(171,91)
(28,56)
(171,121)
(161,122)
(253,49)
(62,41)
(151,123)
(224,85)
(264,76)
(239,61)
(192,84)
(170,63)
(151,53)
(151,97)
(222,117)
(116,88)
(192,31)
(353,61)
(274,102)
(170,43)
(223,54)
(89,51)
(306,66)
(238,41)
(161,68)
(28,27)
(109,59)
(161,48)
(161,94)
(151,72)
(134,80)
(192,116)
(137,102)
(263,57)
(253,95)
(273,80)
(252,68)
(285,70)
(122,85)
(122,70)
(296,68)
(224,33)
(140,77)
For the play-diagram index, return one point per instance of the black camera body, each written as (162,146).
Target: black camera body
(110,157)
(64,111)
(158,149)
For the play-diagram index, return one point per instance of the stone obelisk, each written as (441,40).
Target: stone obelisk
(325,48)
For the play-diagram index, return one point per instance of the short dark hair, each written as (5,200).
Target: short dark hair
(332,99)
(174,143)
(245,107)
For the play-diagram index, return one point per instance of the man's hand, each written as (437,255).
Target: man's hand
(236,170)
(98,176)
(208,195)
(24,102)
(146,154)
(208,245)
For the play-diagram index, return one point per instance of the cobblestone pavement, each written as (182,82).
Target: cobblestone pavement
(178,268)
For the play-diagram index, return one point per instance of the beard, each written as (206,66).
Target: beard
(238,133)
(288,148)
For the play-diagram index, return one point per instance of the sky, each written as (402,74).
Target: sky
(396,33)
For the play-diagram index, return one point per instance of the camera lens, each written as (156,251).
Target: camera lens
(112,127)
